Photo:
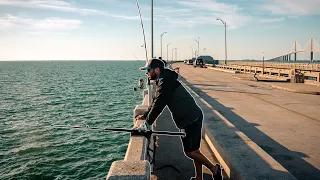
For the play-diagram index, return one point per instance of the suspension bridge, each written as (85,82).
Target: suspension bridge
(312,46)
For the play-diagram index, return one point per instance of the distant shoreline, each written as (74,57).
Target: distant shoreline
(266,61)
(71,60)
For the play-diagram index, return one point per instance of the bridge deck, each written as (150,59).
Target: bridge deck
(284,124)
(171,163)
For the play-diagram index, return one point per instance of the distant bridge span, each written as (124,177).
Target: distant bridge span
(312,46)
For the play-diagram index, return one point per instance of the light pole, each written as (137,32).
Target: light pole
(151,28)
(172,54)
(263,64)
(225,38)
(198,41)
(161,42)
(168,52)
(191,52)
(176,53)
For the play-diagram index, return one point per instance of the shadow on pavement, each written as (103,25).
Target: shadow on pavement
(171,163)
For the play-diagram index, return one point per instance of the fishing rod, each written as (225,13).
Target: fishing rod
(133,131)
(144,35)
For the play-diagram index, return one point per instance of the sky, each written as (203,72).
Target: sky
(111,29)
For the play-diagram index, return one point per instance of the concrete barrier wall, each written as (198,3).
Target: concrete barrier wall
(271,71)
(301,66)
(135,165)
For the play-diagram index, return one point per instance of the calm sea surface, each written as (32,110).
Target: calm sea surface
(36,95)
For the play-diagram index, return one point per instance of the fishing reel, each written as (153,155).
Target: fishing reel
(140,85)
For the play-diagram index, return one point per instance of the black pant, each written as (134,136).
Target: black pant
(192,140)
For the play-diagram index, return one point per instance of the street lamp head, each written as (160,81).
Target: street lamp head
(222,21)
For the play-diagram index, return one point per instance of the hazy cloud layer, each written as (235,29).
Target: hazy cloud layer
(272,20)
(293,7)
(10,21)
(64,6)
(197,12)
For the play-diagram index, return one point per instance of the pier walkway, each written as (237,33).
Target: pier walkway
(284,124)
(171,163)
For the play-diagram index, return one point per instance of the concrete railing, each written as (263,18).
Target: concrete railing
(136,165)
(300,66)
(271,71)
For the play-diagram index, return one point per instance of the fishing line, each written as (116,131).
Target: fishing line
(135,56)
(144,36)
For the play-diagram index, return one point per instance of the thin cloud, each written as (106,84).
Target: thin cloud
(211,6)
(57,23)
(197,12)
(10,21)
(292,7)
(60,5)
(272,20)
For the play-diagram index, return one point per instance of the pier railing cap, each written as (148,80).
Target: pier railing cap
(129,170)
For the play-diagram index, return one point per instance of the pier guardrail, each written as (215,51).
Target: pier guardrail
(299,66)
(279,71)
(136,164)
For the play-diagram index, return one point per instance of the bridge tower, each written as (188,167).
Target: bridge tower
(311,56)
(295,50)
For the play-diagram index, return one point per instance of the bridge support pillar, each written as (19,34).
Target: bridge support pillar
(311,41)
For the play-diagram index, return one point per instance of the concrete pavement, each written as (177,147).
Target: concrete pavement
(286,125)
(171,162)
(298,88)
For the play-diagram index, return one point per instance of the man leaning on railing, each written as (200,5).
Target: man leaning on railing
(186,114)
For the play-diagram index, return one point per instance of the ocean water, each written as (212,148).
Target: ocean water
(36,95)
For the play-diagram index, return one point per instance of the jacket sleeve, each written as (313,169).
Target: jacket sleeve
(163,96)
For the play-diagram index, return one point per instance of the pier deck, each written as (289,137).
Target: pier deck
(286,125)
(170,159)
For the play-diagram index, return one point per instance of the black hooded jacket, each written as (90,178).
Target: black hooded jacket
(171,93)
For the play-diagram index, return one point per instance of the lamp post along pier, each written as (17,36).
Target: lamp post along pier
(191,52)
(161,42)
(225,38)
(168,52)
